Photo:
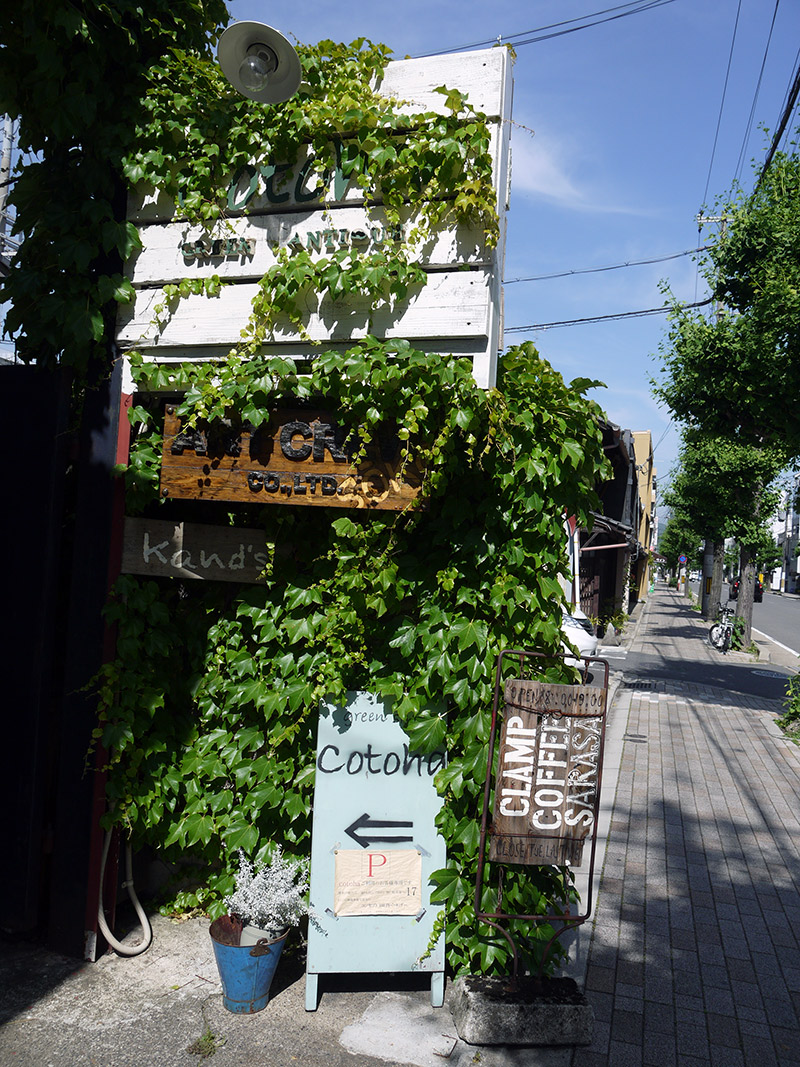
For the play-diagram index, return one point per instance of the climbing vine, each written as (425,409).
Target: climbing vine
(76,76)
(208,710)
(211,150)
(413,607)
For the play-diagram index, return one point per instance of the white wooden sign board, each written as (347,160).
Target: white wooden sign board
(374,846)
(459,311)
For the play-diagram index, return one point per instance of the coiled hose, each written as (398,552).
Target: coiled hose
(147,930)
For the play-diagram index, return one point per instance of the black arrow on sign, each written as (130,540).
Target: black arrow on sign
(364,822)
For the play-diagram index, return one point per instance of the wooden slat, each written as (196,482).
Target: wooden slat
(268,469)
(147,206)
(160,548)
(450,305)
(173,251)
(457,310)
(547,773)
(484,76)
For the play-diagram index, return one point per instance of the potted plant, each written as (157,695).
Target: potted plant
(269,898)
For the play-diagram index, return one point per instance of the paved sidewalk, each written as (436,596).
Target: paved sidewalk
(694,957)
(692,960)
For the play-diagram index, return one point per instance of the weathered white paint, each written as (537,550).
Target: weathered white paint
(451,304)
(459,311)
(480,75)
(147,205)
(473,349)
(164,259)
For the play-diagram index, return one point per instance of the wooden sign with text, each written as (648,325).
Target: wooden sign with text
(296,457)
(284,205)
(163,549)
(546,787)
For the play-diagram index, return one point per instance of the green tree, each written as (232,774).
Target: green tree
(729,379)
(738,376)
(725,488)
(678,538)
(767,555)
(77,75)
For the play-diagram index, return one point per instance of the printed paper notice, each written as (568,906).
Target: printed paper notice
(377,883)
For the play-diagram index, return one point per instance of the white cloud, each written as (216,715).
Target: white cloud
(541,169)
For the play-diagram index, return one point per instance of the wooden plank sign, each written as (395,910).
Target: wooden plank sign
(296,457)
(160,548)
(546,786)
(279,206)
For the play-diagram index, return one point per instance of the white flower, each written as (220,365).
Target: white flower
(272,896)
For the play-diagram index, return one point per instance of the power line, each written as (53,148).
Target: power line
(513,38)
(615,266)
(751,116)
(606,318)
(722,102)
(791,101)
(664,434)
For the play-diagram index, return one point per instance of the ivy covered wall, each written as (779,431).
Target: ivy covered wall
(208,710)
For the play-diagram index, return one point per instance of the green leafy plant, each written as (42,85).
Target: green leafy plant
(737,634)
(207,713)
(207,1044)
(789,722)
(209,709)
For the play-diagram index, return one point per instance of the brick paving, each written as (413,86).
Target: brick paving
(695,952)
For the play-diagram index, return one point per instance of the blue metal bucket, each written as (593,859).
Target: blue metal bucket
(246,971)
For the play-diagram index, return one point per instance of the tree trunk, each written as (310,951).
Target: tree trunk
(707,602)
(718,573)
(744,603)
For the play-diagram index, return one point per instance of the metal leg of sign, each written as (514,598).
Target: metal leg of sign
(437,989)
(312,987)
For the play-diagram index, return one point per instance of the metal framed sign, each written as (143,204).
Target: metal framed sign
(547,779)
(546,786)
(296,457)
(374,846)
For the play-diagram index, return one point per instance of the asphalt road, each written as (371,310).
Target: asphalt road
(779,618)
(766,680)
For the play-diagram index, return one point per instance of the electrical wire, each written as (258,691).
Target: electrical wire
(722,102)
(664,434)
(605,318)
(615,266)
(790,103)
(751,116)
(513,38)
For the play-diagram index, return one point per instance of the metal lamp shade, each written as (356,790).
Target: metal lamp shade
(232,49)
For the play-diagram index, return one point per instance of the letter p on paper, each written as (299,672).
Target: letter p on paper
(376,859)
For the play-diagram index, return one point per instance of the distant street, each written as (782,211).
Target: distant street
(777,616)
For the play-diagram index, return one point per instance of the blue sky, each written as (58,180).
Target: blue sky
(624,118)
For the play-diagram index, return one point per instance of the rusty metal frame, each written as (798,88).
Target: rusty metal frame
(565,919)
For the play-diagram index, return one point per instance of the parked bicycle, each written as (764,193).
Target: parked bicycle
(721,633)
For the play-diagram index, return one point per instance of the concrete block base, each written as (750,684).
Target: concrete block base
(487,1011)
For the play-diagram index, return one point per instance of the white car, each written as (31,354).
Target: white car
(578,631)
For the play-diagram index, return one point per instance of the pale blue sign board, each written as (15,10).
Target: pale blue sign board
(372,795)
